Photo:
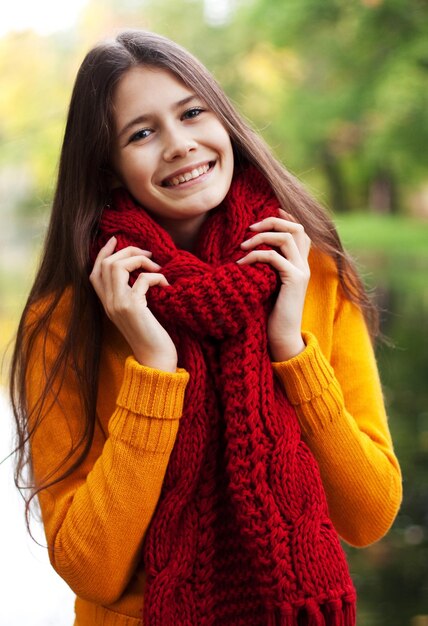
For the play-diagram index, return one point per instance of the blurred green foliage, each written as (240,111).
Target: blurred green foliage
(338,88)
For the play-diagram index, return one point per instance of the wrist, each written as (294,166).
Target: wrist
(286,349)
(158,364)
(165,363)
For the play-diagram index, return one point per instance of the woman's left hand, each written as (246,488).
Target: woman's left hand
(290,258)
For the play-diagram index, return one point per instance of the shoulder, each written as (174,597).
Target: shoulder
(323,298)
(324,283)
(51,312)
(58,302)
(323,266)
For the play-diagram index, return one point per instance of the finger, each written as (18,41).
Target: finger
(117,275)
(288,273)
(145,281)
(303,240)
(286,243)
(276,260)
(278,224)
(116,267)
(105,251)
(106,257)
(121,294)
(132,263)
(127,252)
(285,215)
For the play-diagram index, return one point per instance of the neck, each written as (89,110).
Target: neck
(184,233)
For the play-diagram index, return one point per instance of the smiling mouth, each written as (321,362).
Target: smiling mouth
(175,181)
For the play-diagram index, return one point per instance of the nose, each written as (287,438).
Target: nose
(177,143)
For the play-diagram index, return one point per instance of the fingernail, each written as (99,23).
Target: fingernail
(254,225)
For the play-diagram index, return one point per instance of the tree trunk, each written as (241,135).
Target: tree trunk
(338,196)
(383,193)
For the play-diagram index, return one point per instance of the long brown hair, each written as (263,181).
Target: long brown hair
(82,191)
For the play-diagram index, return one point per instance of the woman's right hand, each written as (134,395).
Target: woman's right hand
(127,306)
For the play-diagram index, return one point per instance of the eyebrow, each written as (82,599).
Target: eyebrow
(147,116)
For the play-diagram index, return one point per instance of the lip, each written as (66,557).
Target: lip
(189,168)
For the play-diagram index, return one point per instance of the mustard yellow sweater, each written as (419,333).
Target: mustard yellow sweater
(95,520)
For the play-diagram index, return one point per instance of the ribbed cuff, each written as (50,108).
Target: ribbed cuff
(310,385)
(89,614)
(151,392)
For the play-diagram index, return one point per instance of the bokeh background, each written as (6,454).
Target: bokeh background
(339,89)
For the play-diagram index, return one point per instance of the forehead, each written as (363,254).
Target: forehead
(145,90)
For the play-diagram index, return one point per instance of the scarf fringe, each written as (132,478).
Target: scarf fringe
(332,613)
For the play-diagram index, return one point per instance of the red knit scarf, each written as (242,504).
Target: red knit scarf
(241,533)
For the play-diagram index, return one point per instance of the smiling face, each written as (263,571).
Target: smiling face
(170,151)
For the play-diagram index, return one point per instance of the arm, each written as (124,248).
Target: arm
(96,518)
(335,388)
(340,407)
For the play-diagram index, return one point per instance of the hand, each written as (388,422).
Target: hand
(127,306)
(290,259)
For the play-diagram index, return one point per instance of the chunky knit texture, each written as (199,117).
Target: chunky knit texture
(241,533)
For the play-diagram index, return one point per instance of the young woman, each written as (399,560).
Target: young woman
(193,381)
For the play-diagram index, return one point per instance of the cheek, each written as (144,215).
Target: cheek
(216,135)
(228,150)
(135,169)
(224,140)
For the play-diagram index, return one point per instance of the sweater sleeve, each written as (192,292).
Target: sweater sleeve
(340,407)
(96,517)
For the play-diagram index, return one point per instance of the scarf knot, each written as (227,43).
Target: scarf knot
(214,302)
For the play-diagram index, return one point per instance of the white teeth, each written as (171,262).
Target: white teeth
(183,178)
